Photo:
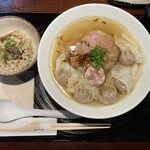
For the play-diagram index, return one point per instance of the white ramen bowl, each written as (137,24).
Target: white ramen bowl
(107,111)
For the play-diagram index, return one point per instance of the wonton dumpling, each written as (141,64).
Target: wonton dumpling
(63,70)
(108,91)
(126,44)
(82,96)
(127,58)
(84,92)
(75,77)
(109,95)
(126,74)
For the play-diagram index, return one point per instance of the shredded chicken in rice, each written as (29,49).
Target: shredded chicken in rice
(16,51)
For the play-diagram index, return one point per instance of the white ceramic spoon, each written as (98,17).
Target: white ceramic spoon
(10,110)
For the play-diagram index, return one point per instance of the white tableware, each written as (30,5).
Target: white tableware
(9,24)
(101,10)
(10,110)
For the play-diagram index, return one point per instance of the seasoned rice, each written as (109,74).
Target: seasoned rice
(25,49)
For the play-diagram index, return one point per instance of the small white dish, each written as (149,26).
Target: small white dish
(10,24)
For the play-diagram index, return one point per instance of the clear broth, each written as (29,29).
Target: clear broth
(78,29)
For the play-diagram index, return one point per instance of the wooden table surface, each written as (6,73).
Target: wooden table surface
(58,6)
(50,6)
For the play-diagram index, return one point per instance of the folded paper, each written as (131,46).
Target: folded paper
(28,127)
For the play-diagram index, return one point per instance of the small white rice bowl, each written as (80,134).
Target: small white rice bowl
(26,38)
(106,111)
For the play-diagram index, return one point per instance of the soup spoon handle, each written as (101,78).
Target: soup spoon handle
(10,111)
(51,113)
(63,114)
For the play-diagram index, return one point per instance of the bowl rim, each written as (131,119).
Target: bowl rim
(50,88)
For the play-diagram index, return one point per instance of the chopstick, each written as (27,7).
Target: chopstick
(80,126)
(45,126)
(58,126)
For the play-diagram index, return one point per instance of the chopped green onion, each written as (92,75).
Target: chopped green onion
(7,45)
(98,55)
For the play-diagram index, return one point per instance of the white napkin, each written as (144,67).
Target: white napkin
(21,89)
(18,88)
(28,127)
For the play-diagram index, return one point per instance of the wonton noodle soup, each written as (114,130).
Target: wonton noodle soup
(96,60)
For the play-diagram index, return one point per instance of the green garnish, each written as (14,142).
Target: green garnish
(7,45)
(98,55)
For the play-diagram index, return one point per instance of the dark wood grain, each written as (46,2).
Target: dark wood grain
(75,146)
(51,6)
